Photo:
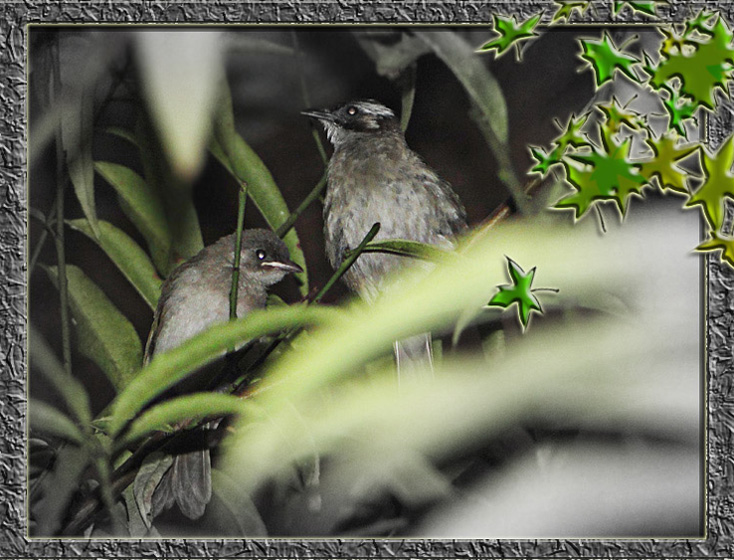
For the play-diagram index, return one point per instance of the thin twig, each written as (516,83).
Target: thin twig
(313,195)
(237,251)
(59,238)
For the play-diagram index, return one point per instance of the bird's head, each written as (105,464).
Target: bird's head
(362,117)
(264,256)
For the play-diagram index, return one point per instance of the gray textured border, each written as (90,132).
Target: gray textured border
(14,17)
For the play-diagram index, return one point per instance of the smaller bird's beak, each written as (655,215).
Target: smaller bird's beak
(286,266)
(319,114)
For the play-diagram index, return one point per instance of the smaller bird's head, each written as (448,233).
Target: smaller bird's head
(264,256)
(366,116)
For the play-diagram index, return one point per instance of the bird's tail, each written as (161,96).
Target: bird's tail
(414,358)
(188,483)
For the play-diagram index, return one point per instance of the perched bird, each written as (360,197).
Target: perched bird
(373,176)
(194,297)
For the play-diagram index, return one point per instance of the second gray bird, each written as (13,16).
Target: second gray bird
(193,298)
(373,176)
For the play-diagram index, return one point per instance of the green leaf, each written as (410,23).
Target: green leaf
(166,369)
(567,7)
(648,8)
(679,110)
(718,185)
(123,133)
(613,176)
(239,509)
(180,73)
(48,420)
(196,406)
(723,245)
(77,124)
(572,134)
(406,248)
(663,165)
(58,489)
(70,390)
(246,167)
(481,86)
(604,58)
(127,255)
(616,116)
(701,72)
(544,161)
(586,190)
(175,195)
(105,336)
(519,292)
(511,33)
(142,206)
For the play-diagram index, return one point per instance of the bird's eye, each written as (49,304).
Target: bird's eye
(260,254)
(352,110)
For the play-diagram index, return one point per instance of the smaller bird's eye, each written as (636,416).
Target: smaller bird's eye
(352,110)
(260,254)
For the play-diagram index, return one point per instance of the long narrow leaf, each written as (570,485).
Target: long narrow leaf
(48,420)
(194,406)
(127,255)
(70,390)
(143,206)
(168,368)
(246,167)
(105,336)
(174,193)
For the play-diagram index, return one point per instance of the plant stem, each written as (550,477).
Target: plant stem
(237,250)
(59,238)
(313,195)
(347,262)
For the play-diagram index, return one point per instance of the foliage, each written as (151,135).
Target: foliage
(695,62)
(313,417)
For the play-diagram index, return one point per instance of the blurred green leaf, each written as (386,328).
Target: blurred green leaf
(175,195)
(238,508)
(123,133)
(105,336)
(76,135)
(143,206)
(51,421)
(127,255)
(168,368)
(58,489)
(180,73)
(244,43)
(69,388)
(568,373)
(392,51)
(246,167)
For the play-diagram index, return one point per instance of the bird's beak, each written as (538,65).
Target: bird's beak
(285,266)
(319,114)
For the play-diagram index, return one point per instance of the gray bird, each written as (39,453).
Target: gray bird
(373,176)
(193,298)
